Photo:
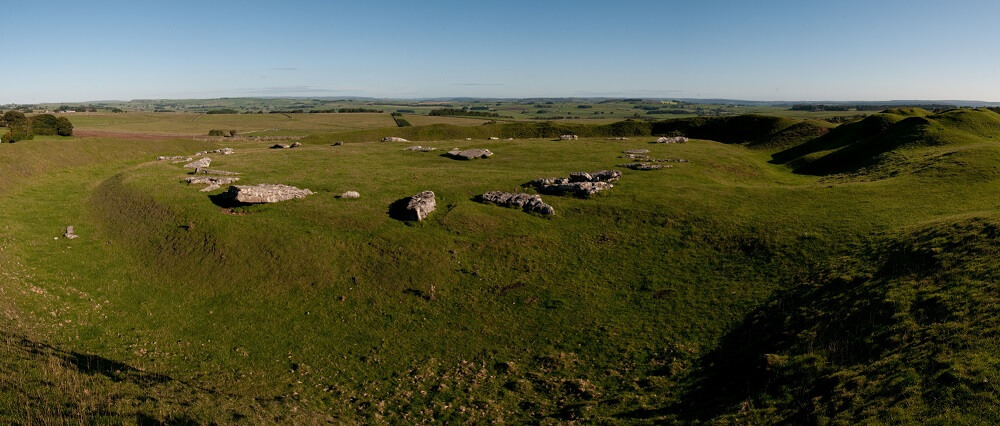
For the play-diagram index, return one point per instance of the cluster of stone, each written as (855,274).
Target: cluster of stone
(527,202)
(674,139)
(579,184)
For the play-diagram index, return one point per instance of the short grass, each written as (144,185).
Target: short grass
(172,308)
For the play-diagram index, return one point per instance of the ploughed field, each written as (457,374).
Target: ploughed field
(790,272)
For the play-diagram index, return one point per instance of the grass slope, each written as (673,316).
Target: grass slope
(892,142)
(668,298)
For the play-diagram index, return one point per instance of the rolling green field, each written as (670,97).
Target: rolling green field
(791,271)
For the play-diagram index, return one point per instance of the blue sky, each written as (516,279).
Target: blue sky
(57,51)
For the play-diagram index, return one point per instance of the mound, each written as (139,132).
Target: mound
(883,144)
(750,128)
(902,332)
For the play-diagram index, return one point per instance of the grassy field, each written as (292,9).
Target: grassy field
(189,124)
(740,286)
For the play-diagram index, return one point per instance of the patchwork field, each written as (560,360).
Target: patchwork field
(788,271)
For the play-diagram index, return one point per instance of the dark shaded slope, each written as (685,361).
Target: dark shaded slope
(904,331)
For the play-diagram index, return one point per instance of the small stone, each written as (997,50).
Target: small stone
(296,144)
(350,194)
(70,234)
(393,139)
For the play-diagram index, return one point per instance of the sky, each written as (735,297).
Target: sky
(56,51)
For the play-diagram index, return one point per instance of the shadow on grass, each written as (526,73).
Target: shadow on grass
(397,210)
(89,364)
(223,200)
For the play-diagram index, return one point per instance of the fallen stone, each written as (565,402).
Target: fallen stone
(264,193)
(183,160)
(526,202)
(618,139)
(393,139)
(420,206)
(468,139)
(280,146)
(199,163)
(419,148)
(635,156)
(70,233)
(635,151)
(674,139)
(296,144)
(569,137)
(350,194)
(493,138)
(644,166)
(598,176)
(173,158)
(563,186)
(204,171)
(469,154)
(223,151)
(212,182)
(580,184)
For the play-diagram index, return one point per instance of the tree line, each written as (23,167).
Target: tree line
(22,128)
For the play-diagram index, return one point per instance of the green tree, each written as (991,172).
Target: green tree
(64,127)
(11,118)
(19,131)
(44,124)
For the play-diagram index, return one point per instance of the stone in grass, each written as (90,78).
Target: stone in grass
(635,151)
(420,206)
(350,194)
(204,171)
(173,158)
(644,166)
(470,154)
(674,139)
(598,176)
(526,202)
(70,233)
(296,144)
(199,163)
(419,148)
(213,182)
(264,193)
(393,139)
